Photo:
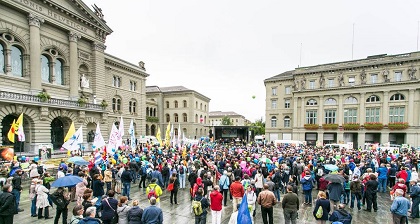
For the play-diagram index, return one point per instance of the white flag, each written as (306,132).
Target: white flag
(132,135)
(121,127)
(99,141)
(113,139)
(75,140)
(179,135)
(20,133)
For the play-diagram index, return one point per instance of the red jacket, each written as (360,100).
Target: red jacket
(216,199)
(402,174)
(237,190)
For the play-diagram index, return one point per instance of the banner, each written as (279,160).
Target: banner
(7,153)
(99,141)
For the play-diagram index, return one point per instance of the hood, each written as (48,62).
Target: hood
(214,193)
(307,177)
(401,185)
(199,181)
(343,212)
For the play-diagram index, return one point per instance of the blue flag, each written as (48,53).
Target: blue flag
(243,213)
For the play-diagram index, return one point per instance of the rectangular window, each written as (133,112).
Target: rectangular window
(288,90)
(287,122)
(330,83)
(273,104)
(286,103)
(396,114)
(133,85)
(274,91)
(329,116)
(273,122)
(116,81)
(350,115)
(398,76)
(352,81)
(312,84)
(372,114)
(374,78)
(311,117)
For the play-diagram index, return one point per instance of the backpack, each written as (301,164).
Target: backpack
(149,175)
(40,170)
(59,200)
(152,193)
(165,171)
(319,212)
(196,207)
(181,169)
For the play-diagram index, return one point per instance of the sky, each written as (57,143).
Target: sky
(224,49)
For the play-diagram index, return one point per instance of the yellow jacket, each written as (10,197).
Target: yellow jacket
(158,191)
(108,176)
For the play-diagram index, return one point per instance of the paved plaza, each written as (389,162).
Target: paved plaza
(182,213)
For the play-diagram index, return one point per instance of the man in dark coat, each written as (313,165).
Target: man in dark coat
(17,187)
(126,179)
(7,205)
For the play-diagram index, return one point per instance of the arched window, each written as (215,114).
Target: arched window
(147,111)
(311,102)
(167,104)
(154,112)
(17,61)
(151,113)
(330,101)
(184,130)
(350,100)
(176,131)
(205,107)
(196,105)
(168,118)
(132,106)
(273,121)
(201,106)
(45,69)
(185,103)
(396,97)
(119,104)
(176,117)
(205,119)
(372,99)
(185,117)
(176,104)
(58,72)
(201,118)
(196,118)
(287,122)
(2,70)
(116,104)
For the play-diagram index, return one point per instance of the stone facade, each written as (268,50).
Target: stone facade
(337,102)
(216,118)
(180,106)
(57,48)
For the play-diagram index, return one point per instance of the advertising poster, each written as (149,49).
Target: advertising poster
(7,153)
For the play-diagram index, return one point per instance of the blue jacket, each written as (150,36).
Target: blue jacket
(307,183)
(400,206)
(156,174)
(107,211)
(89,220)
(224,182)
(342,216)
(152,215)
(335,189)
(415,191)
(382,172)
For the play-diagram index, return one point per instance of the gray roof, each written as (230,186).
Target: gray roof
(284,75)
(223,113)
(152,89)
(174,89)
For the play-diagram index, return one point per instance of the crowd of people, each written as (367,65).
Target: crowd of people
(222,173)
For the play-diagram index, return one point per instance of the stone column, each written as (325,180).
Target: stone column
(320,110)
(340,110)
(362,110)
(295,113)
(8,61)
(35,48)
(385,108)
(97,80)
(74,68)
(411,107)
(302,112)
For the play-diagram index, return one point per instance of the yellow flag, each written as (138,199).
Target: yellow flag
(19,122)
(159,137)
(70,133)
(168,134)
(11,134)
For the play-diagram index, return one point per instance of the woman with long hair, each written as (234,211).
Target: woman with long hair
(122,210)
(324,203)
(174,180)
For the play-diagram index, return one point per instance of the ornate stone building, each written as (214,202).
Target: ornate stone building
(216,118)
(53,68)
(178,105)
(372,100)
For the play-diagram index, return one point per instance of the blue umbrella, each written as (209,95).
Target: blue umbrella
(66,181)
(81,162)
(331,167)
(74,159)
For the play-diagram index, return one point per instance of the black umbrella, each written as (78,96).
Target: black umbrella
(335,178)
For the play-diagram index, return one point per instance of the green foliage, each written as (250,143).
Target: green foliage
(258,127)
(330,126)
(311,126)
(226,121)
(152,119)
(373,126)
(44,96)
(351,126)
(398,125)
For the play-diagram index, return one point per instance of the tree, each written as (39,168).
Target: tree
(226,121)
(258,127)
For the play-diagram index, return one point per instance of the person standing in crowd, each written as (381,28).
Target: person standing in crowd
(90,217)
(201,218)
(237,191)
(135,213)
(174,192)
(98,189)
(81,187)
(152,214)
(17,187)
(158,176)
(61,199)
(382,177)
(341,215)
(126,182)
(234,216)
(276,178)
(224,183)
(415,198)
(259,182)
(181,174)
(400,207)
(122,210)
(165,175)
(371,189)
(32,196)
(400,185)
(216,200)
(251,198)
(154,190)
(290,205)
(356,192)
(335,190)
(7,205)
(42,202)
(77,214)
(267,200)
(307,184)
(109,208)
(325,205)
(392,172)
(108,178)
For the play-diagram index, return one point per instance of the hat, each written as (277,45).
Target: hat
(153,180)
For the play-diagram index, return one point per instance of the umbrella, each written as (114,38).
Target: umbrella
(334,178)
(331,167)
(81,162)
(266,160)
(66,181)
(74,159)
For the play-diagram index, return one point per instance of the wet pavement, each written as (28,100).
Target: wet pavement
(182,213)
